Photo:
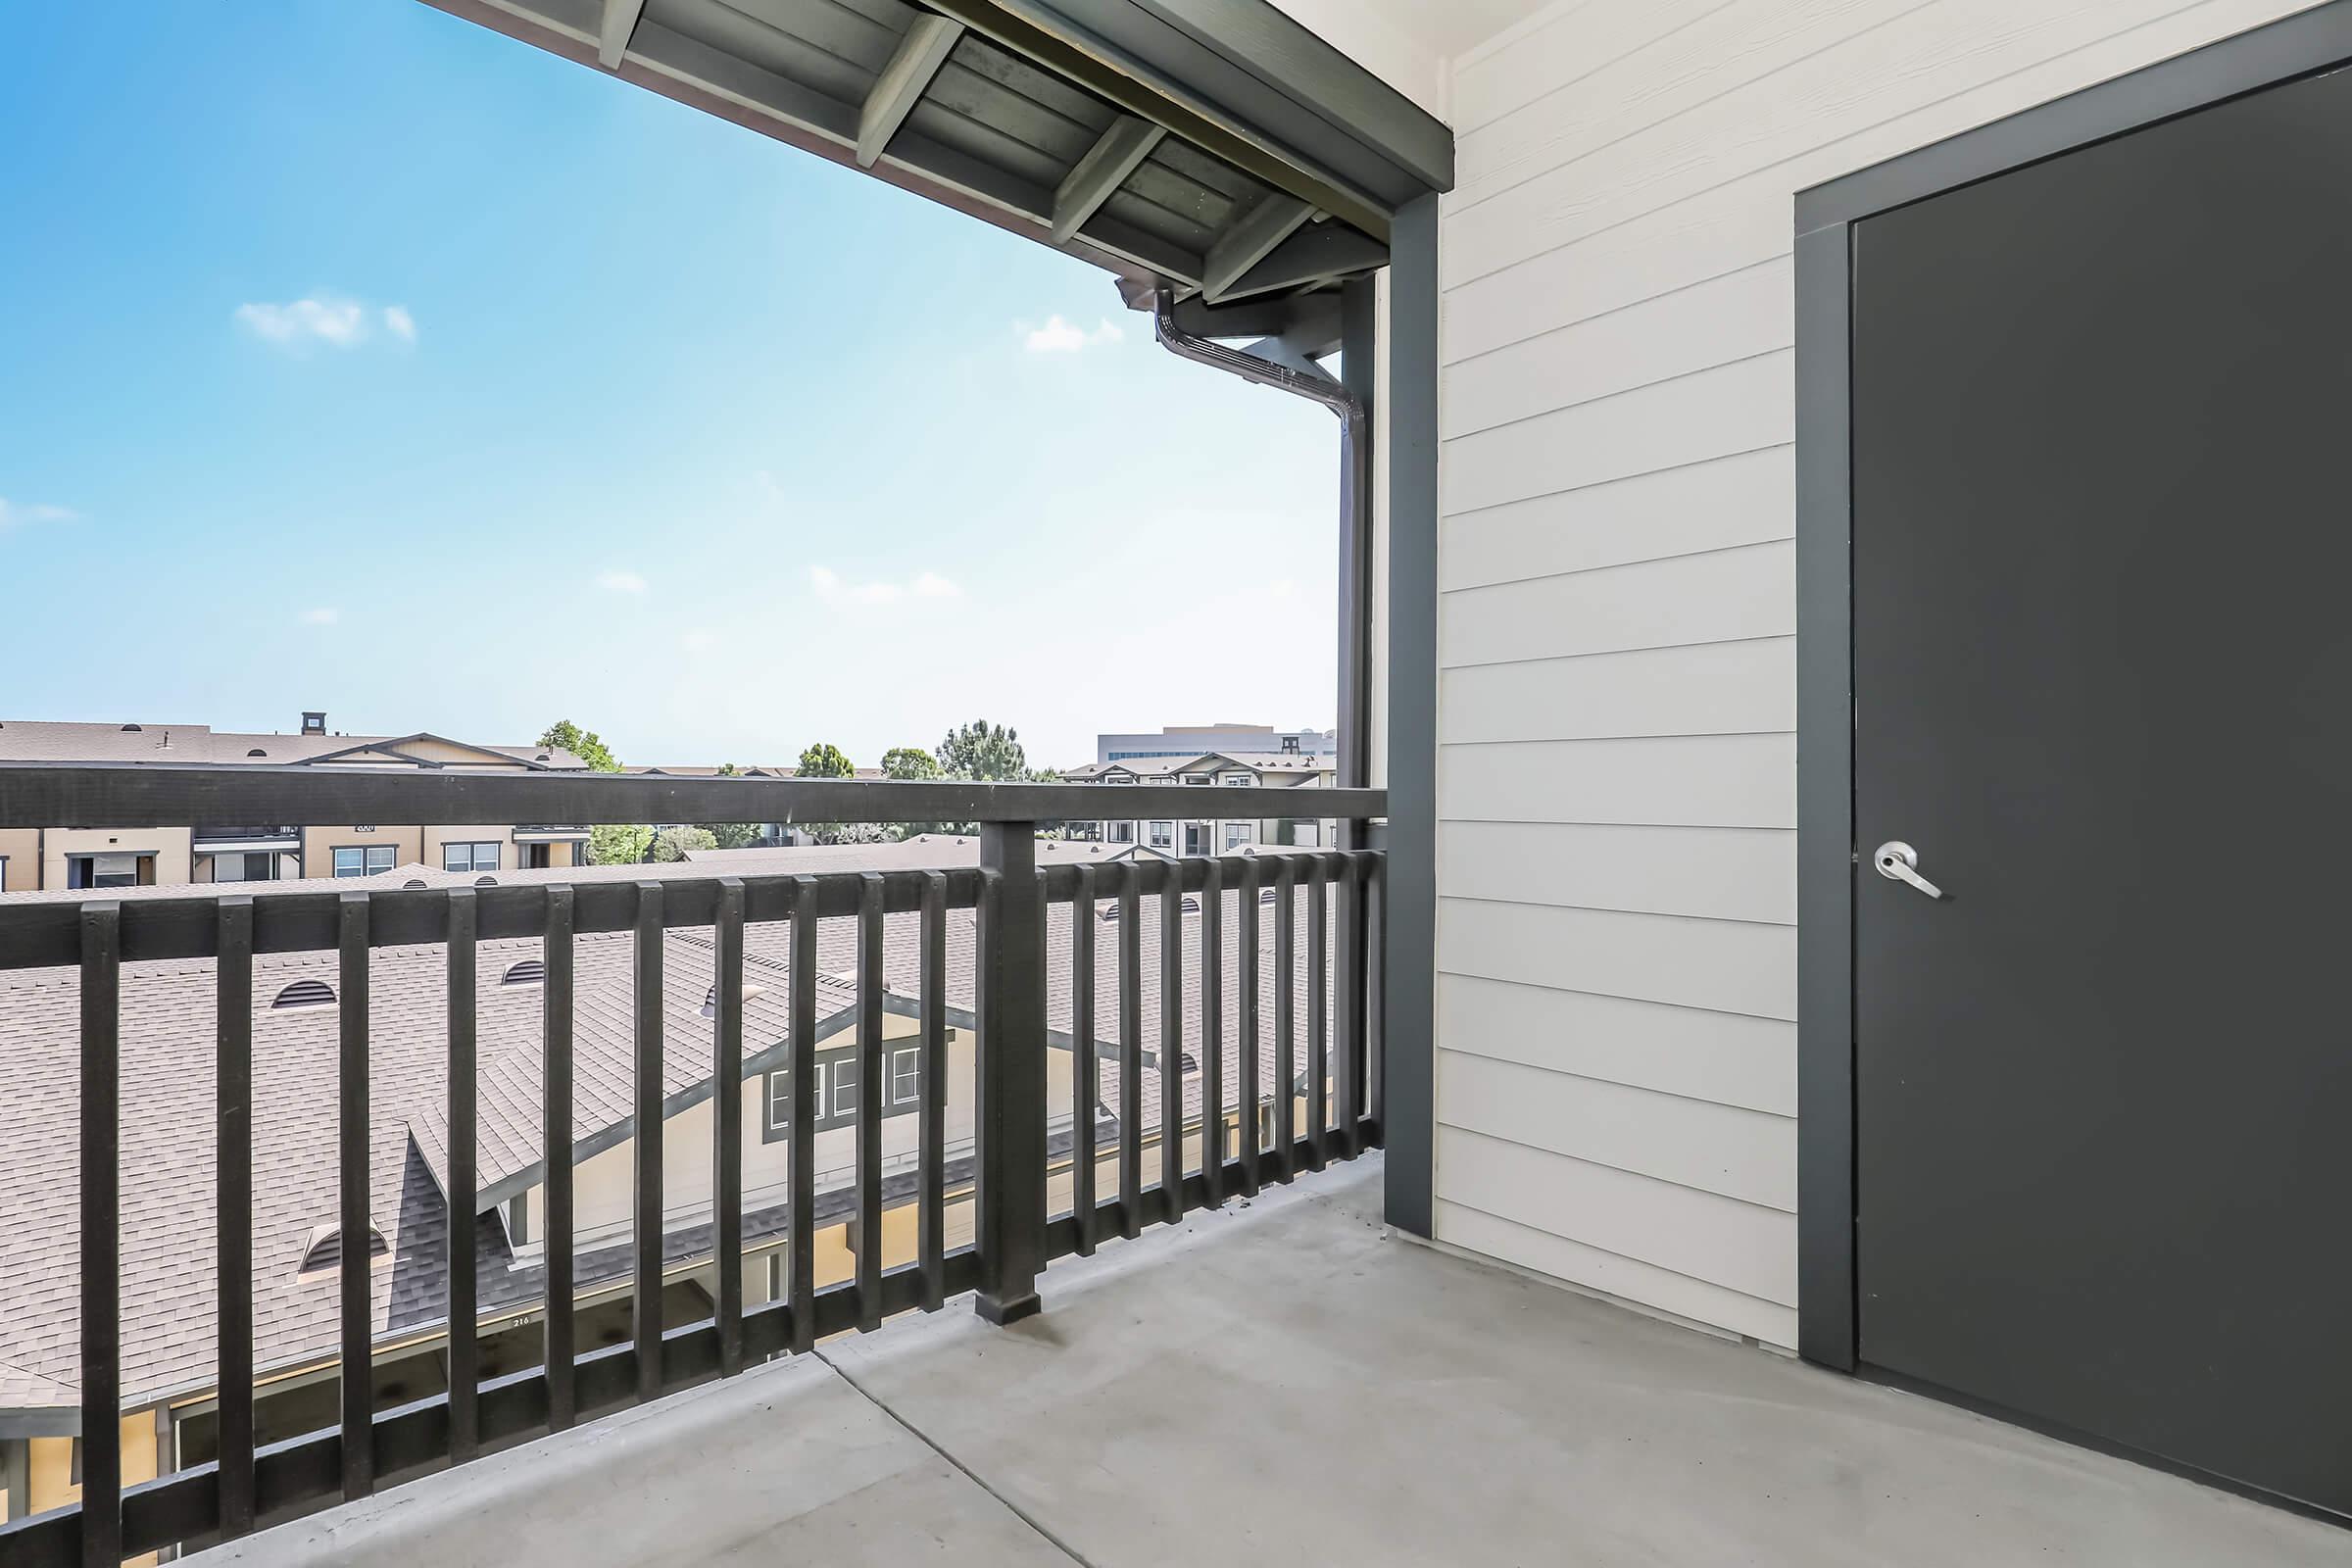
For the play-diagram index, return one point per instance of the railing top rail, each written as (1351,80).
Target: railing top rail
(177,794)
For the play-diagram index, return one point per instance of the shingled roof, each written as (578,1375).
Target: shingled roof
(167,1150)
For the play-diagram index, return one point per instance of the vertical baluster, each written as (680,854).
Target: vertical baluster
(1131,1056)
(931,1089)
(1084,1080)
(1348,1004)
(872,1064)
(101,1236)
(555,1004)
(727,1151)
(1376,937)
(1212,1031)
(1286,986)
(1248,1124)
(802,1274)
(1171,1045)
(232,1213)
(357,1306)
(464,1353)
(645,1302)
(1319,1009)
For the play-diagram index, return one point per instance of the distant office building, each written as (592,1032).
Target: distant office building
(1184,741)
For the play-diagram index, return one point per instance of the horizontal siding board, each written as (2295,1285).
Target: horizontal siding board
(1740,407)
(1711,780)
(1738,316)
(1724,49)
(1714,873)
(1868,80)
(1712,689)
(1719,504)
(1746,1155)
(1741,1246)
(1726,1057)
(1624,1278)
(1742,593)
(1554,50)
(1722,965)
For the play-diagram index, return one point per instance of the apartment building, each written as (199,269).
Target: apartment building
(1229,823)
(96,856)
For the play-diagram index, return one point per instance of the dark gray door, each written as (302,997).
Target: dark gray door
(2102,480)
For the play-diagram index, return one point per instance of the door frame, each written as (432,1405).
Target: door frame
(2305,44)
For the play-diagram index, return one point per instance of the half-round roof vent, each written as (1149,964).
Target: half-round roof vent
(257,752)
(711,998)
(526,972)
(322,1249)
(1191,905)
(305,994)
(1266,894)
(485,881)
(413,882)
(132,729)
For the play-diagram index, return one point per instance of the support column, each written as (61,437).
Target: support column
(1010,1216)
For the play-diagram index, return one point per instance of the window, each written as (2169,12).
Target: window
(245,865)
(779,1101)
(112,870)
(1161,835)
(1237,834)
(1122,832)
(844,1089)
(1241,780)
(906,1075)
(1196,778)
(469,856)
(364,859)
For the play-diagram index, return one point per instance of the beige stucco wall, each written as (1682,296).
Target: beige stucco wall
(318,845)
(19,858)
(169,846)
(51,1466)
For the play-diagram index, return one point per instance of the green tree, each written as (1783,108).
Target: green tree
(734,835)
(584,744)
(620,844)
(910,763)
(985,752)
(672,842)
(826,761)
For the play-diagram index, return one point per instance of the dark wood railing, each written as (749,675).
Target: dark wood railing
(1331,1068)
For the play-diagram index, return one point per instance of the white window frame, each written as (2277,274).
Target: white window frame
(1161,834)
(1119,832)
(1237,834)
(779,1101)
(473,849)
(845,1082)
(1238,780)
(906,1075)
(367,852)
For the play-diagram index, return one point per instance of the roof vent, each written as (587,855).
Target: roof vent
(526,972)
(413,882)
(1191,905)
(130,729)
(305,994)
(711,998)
(543,758)
(485,881)
(1109,911)
(257,752)
(322,1249)
(1266,894)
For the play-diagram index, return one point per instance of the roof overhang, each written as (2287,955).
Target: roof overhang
(1217,147)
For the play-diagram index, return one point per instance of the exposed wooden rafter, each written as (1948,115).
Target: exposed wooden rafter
(1105,166)
(921,54)
(1248,240)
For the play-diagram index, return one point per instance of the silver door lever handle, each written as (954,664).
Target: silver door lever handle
(1899,862)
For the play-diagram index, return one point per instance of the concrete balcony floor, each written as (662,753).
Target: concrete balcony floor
(1282,1384)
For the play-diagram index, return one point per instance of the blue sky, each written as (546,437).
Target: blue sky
(357,358)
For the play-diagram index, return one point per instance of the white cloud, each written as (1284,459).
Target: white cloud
(700,640)
(337,323)
(831,586)
(17,514)
(324,615)
(621,582)
(1059,336)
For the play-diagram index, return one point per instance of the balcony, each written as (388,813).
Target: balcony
(1017,1062)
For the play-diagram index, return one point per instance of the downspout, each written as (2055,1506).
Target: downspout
(1355,511)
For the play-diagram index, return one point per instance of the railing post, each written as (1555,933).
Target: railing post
(1011,1073)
